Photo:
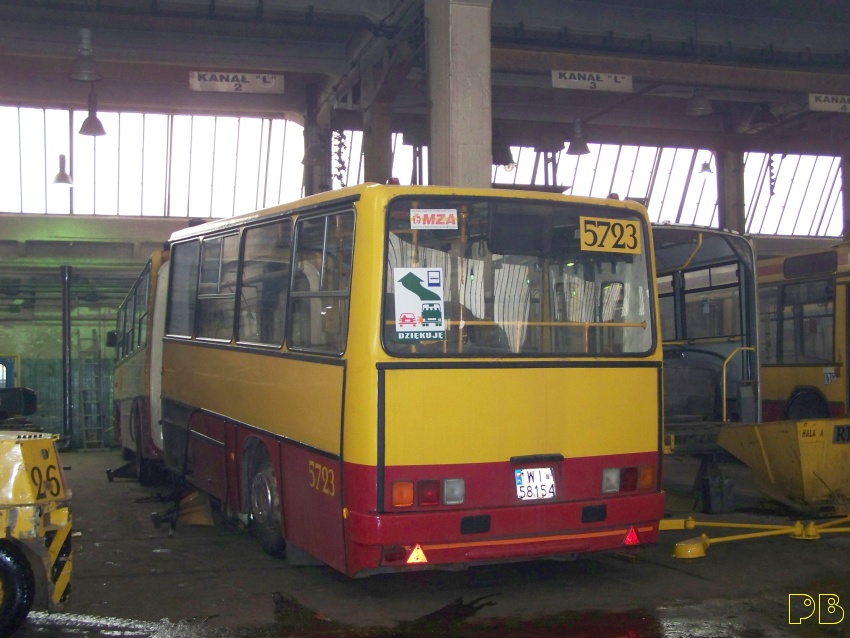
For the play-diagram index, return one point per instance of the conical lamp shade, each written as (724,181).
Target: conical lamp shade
(577,145)
(92,125)
(62,178)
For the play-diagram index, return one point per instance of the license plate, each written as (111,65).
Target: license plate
(534,483)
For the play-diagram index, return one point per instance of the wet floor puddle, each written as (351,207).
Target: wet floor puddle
(710,619)
(456,620)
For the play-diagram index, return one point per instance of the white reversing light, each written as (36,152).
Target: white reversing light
(610,480)
(454,491)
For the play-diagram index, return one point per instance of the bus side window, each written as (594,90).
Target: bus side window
(217,293)
(265,283)
(182,290)
(300,321)
(324,249)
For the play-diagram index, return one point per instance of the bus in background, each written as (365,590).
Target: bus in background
(709,326)
(387,378)
(803,304)
(136,373)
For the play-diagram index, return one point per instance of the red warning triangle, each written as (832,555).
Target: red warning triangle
(631,537)
(416,556)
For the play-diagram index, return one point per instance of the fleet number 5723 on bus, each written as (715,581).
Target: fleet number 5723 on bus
(392,378)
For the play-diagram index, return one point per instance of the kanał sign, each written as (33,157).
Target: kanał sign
(592,81)
(236,82)
(826,102)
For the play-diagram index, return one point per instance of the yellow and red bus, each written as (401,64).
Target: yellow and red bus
(389,377)
(709,326)
(803,317)
(136,378)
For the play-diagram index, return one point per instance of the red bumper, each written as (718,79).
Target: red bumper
(526,532)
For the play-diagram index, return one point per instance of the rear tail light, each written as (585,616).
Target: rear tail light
(428,492)
(627,479)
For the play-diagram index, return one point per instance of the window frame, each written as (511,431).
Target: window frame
(344,315)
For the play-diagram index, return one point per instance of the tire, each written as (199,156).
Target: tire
(142,467)
(264,502)
(806,404)
(17,590)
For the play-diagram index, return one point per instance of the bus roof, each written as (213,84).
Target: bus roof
(382,191)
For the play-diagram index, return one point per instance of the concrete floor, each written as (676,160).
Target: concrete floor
(130,575)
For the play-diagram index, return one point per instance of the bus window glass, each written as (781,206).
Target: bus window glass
(667,307)
(724,275)
(807,323)
(140,311)
(120,328)
(129,326)
(713,314)
(264,284)
(217,290)
(768,316)
(321,281)
(184,287)
(712,310)
(558,290)
(797,323)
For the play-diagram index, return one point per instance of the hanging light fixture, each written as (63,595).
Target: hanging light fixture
(762,118)
(699,105)
(577,144)
(85,68)
(503,156)
(91,125)
(62,178)
(706,168)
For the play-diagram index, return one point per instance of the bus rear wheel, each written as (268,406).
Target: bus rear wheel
(142,467)
(17,589)
(806,403)
(265,508)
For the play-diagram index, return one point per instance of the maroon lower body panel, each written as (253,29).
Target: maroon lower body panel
(505,528)
(775,410)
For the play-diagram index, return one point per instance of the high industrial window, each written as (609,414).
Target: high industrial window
(148,164)
(204,166)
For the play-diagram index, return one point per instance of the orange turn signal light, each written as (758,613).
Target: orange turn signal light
(403,494)
(646,477)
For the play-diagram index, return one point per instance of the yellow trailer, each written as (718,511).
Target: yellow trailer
(803,464)
(35,518)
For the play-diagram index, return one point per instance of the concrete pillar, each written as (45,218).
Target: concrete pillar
(317,149)
(377,143)
(730,190)
(459,83)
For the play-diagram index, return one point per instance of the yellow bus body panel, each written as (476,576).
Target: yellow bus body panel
(447,416)
(131,379)
(299,400)
(780,381)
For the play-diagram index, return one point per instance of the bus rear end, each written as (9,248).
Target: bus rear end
(518,389)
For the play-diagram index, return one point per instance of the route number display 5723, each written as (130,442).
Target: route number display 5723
(610,235)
